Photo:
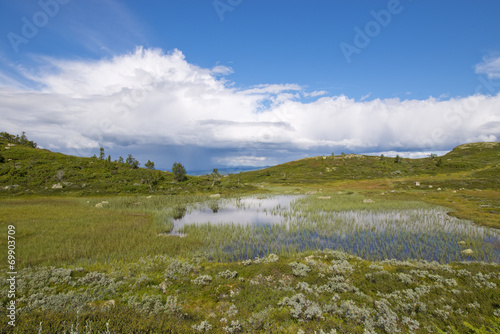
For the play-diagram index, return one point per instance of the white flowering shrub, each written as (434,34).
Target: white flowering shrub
(235,327)
(272,258)
(154,304)
(387,319)
(405,278)
(232,311)
(204,326)
(202,280)
(341,267)
(301,308)
(299,269)
(178,269)
(227,274)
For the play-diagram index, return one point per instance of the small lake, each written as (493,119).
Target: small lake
(255,226)
(258,211)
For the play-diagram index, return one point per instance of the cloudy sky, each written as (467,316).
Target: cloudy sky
(250,82)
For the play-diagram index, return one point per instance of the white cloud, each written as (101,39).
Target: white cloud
(148,97)
(490,66)
(364,97)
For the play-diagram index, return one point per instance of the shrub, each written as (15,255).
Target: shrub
(299,269)
(227,274)
(204,326)
(301,308)
(202,280)
(153,304)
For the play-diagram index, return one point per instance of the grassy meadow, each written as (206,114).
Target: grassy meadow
(363,248)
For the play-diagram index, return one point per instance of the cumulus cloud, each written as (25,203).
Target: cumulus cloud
(149,97)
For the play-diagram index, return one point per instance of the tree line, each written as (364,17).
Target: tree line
(177,168)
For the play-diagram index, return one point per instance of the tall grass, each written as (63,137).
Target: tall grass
(64,231)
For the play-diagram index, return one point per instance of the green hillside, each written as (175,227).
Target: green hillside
(25,169)
(480,161)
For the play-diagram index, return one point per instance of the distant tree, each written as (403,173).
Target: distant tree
(398,159)
(120,160)
(439,163)
(381,156)
(132,162)
(433,155)
(179,171)
(94,157)
(109,158)
(20,140)
(215,176)
(101,153)
(149,165)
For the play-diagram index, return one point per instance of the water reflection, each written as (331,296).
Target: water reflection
(262,225)
(240,211)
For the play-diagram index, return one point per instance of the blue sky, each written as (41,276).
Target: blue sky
(250,83)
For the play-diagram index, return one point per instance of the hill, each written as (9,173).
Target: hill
(478,162)
(25,169)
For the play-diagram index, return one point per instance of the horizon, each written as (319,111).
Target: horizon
(242,84)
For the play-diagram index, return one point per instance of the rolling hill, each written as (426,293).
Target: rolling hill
(25,169)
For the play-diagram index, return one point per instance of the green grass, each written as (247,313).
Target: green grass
(480,159)
(73,258)
(27,170)
(113,252)
(337,291)
(63,231)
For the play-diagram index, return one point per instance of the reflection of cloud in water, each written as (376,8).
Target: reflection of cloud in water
(239,211)
(420,233)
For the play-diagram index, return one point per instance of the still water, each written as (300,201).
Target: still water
(258,210)
(283,223)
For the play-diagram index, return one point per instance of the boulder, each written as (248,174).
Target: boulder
(9,187)
(57,186)
(467,251)
(368,201)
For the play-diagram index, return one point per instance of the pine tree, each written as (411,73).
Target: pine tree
(179,171)
(149,165)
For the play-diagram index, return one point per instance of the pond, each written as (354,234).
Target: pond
(255,211)
(248,227)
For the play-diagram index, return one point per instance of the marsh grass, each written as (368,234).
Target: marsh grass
(62,231)
(113,269)
(374,230)
(65,231)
